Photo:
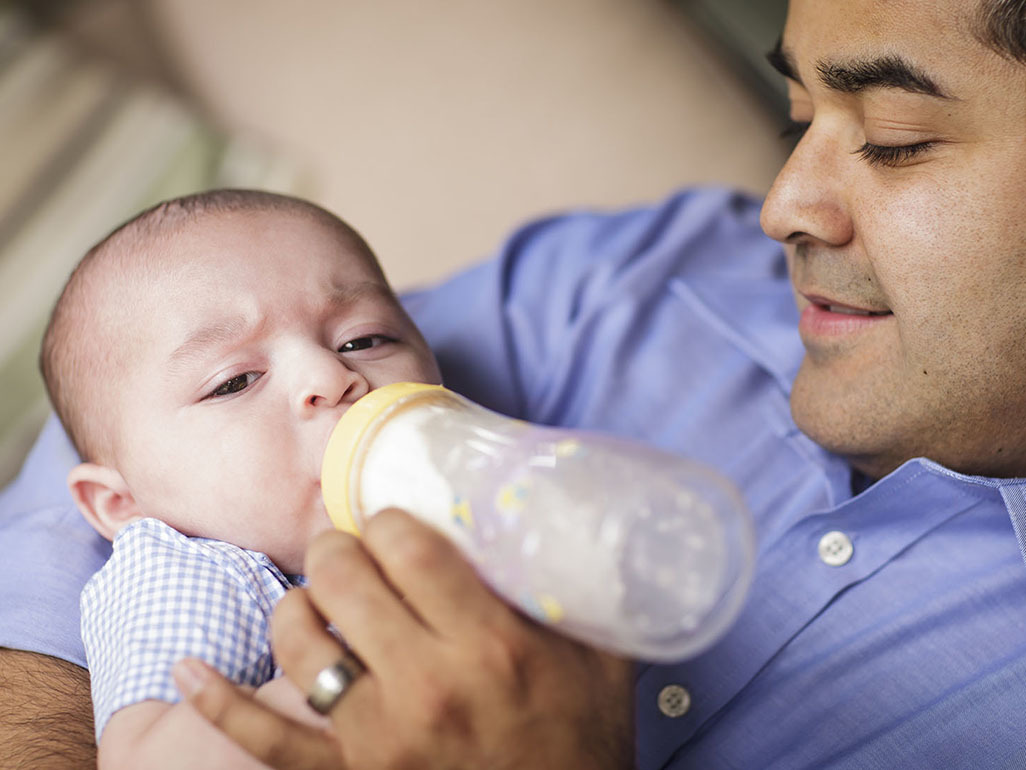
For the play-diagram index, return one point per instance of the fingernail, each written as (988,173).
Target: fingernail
(190,675)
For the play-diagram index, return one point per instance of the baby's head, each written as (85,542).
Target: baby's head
(200,355)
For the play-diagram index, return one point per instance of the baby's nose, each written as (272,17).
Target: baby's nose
(327,383)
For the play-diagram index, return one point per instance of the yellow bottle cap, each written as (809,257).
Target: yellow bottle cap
(345,439)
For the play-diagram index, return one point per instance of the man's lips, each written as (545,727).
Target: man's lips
(824,317)
(834,306)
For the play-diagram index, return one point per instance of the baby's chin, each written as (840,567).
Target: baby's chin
(289,558)
(290,563)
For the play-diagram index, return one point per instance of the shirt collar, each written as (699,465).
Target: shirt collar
(1011,490)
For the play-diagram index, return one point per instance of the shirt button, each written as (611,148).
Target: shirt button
(835,549)
(674,701)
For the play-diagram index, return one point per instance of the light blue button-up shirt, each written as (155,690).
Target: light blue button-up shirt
(675,324)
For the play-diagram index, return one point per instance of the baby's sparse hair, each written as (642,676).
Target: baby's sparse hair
(76,362)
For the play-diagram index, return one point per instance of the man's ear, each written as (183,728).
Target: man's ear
(103,497)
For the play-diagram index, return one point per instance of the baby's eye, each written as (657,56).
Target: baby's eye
(236,384)
(364,343)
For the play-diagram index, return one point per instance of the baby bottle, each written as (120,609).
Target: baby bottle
(617,544)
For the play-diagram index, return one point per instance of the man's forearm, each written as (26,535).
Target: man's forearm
(46,716)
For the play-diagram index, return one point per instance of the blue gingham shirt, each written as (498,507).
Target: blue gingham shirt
(163,596)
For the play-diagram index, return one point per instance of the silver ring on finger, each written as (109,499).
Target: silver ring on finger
(333,681)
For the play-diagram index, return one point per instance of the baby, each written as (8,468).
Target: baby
(198,358)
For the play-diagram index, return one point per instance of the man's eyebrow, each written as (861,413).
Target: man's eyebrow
(852,77)
(857,75)
(782,61)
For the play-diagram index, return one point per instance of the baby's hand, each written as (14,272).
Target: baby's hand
(284,697)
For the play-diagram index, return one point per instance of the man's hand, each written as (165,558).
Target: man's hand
(46,715)
(455,678)
(282,695)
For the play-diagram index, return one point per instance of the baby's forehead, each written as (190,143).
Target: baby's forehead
(157,276)
(161,248)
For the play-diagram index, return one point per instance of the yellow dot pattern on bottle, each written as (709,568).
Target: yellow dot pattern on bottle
(567,447)
(511,497)
(551,608)
(461,513)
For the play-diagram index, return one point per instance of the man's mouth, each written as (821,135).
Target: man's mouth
(853,310)
(831,305)
(826,318)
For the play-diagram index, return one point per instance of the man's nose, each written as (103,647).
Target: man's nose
(807,201)
(323,380)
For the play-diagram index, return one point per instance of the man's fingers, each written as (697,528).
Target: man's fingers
(434,576)
(301,643)
(273,739)
(348,589)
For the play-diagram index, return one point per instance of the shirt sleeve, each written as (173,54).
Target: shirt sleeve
(163,597)
(506,331)
(49,552)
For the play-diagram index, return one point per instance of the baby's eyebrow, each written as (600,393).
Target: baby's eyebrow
(226,330)
(345,295)
(206,337)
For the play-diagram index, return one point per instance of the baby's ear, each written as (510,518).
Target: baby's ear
(103,497)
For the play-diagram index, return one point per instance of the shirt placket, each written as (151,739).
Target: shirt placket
(799,573)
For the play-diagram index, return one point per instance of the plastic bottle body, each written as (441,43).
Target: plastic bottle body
(625,547)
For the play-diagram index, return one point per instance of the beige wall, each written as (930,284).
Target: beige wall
(436,125)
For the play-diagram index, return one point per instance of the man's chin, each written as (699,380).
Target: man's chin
(844,426)
(865,453)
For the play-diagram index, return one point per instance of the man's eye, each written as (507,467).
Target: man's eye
(881,155)
(236,384)
(363,343)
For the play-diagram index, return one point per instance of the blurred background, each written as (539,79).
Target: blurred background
(433,126)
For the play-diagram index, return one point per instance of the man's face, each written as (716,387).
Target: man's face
(906,198)
(245,342)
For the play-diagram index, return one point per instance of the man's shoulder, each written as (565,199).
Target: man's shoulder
(704,228)
(560,269)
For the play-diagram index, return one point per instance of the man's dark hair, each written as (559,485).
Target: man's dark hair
(1001,25)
